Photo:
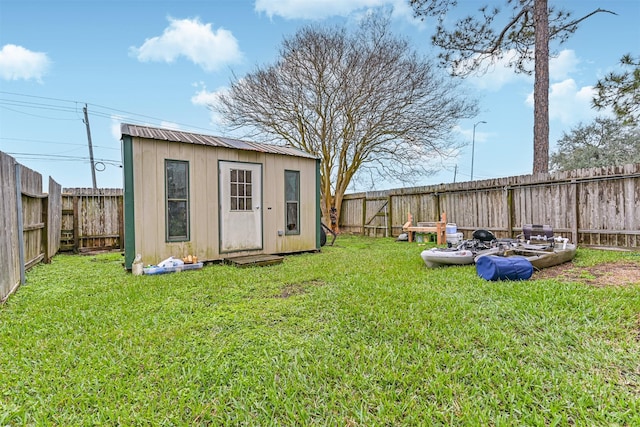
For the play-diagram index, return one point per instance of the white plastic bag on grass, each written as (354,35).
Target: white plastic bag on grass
(171,262)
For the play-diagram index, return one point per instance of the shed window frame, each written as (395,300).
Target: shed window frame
(177,202)
(240,190)
(292,202)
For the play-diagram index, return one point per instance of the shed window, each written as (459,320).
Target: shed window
(177,200)
(241,190)
(292,200)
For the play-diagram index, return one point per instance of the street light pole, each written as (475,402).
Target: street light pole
(473,145)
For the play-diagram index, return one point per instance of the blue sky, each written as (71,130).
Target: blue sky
(159,63)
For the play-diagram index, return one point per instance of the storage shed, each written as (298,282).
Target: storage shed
(214,197)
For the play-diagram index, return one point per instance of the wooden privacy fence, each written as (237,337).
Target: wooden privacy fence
(597,207)
(92,219)
(30,222)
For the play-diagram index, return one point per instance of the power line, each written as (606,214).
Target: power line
(63,158)
(76,110)
(42,141)
(39,97)
(36,105)
(36,115)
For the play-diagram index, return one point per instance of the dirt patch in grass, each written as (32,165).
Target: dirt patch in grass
(299,288)
(620,273)
(290,290)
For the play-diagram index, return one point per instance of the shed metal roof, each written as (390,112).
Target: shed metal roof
(209,140)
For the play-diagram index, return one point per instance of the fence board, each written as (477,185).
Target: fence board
(54,219)
(32,225)
(9,260)
(590,206)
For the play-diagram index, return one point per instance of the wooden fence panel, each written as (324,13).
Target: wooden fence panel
(590,206)
(608,205)
(27,216)
(31,210)
(351,215)
(33,228)
(32,221)
(422,206)
(92,219)
(9,259)
(376,216)
(67,241)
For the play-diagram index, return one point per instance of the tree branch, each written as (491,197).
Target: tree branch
(577,21)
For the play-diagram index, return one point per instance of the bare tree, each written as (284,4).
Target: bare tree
(477,42)
(364,102)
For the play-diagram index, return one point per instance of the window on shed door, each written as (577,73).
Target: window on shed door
(292,201)
(177,200)
(241,190)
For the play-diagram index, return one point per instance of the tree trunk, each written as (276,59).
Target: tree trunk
(337,204)
(327,200)
(541,88)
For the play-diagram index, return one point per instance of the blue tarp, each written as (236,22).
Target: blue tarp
(492,267)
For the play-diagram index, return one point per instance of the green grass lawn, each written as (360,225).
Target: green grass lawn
(361,334)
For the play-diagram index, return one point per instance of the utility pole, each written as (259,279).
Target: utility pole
(93,166)
(455,172)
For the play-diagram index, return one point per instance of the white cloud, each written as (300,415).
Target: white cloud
(497,74)
(17,63)
(170,125)
(210,49)
(467,134)
(568,103)
(116,131)
(561,66)
(204,98)
(320,9)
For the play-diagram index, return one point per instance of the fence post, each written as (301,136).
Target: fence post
(389,217)
(76,234)
(20,222)
(364,213)
(121,222)
(576,212)
(510,210)
(45,230)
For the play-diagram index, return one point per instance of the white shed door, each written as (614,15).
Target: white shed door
(240,195)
